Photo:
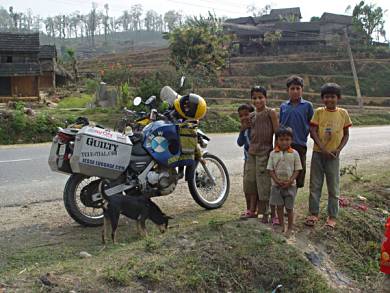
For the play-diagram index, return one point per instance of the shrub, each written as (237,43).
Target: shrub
(20,128)
(91,85)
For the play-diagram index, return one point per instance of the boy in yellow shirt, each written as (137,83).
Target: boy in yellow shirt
(329,129)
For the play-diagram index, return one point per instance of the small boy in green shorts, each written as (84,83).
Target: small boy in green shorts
(329,129)
(284,166)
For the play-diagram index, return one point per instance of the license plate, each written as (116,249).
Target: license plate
(62,149)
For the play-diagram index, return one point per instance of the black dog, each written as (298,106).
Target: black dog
(138,208)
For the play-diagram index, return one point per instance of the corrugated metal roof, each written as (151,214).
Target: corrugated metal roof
(336,18)
(241,20)
(19,42)
(286,12)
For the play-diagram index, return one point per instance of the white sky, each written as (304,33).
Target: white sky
(230,8)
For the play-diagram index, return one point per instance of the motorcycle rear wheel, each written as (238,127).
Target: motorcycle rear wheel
(73,205)
(202,190)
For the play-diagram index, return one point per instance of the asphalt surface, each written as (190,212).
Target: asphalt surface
(25,176)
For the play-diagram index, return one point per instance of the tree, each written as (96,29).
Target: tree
(14,16)
(72,57)
(6,21)
(92,23)
(199,48)
(151,20)
(273,38)
(106,22)
(136,12)
(258,11)
(369,19)
(315,18)
(172,19)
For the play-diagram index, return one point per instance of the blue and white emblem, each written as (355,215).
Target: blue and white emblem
(159,144)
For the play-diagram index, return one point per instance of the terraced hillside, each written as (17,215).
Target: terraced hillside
(272,71)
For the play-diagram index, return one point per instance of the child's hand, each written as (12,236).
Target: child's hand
(245,123)
(287,184)
(279,182)
(336,153)
(328,155)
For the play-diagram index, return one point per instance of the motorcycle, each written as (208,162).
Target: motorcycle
(145,157)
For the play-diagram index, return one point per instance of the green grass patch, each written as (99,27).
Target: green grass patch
(75,102)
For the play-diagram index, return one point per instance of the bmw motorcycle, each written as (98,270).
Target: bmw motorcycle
(148,159)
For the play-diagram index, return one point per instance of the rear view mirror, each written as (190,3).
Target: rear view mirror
(137,101)
(150,100)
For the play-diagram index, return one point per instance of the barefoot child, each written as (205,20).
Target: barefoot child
(243,139)
(330,132)
(284,166)
(257,182)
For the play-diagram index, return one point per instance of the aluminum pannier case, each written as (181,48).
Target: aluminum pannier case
(101,153)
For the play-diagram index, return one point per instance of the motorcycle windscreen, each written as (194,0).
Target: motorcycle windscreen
(162,142)
(168,94)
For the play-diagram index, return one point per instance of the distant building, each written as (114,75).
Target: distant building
(26,67)
(251,31)
(19,64)
(53,74)
(48,59)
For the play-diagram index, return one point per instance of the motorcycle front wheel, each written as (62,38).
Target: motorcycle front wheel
(75,206)
(209,193)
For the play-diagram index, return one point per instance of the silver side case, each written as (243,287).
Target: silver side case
(101,153)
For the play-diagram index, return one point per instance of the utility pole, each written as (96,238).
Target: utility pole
(354,73)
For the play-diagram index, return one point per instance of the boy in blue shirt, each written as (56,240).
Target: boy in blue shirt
(243,139)
(296,113)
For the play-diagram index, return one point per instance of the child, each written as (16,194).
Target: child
(257,182)
(244,112)
(330,132)
(284,166)
(296,113)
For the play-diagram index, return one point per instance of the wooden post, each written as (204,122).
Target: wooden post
(353,68)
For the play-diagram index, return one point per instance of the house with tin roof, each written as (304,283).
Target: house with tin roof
(250,31)
(19,64)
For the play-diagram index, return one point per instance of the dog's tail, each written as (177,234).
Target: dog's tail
(102,188)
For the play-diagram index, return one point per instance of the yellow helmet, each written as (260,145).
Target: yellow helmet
(192,106)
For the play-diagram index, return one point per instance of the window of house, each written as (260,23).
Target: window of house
(9,59)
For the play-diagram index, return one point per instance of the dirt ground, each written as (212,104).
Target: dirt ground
(46,228)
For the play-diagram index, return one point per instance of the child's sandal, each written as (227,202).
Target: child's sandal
(311,220)
(275,221)
(331,223)
(248,215)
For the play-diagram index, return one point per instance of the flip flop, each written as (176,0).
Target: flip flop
(248,215)
(275,221)
(331,223)
(311,220)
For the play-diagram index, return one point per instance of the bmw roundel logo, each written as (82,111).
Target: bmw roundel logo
(159,144)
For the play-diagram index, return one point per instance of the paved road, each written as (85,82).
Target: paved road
(25,176)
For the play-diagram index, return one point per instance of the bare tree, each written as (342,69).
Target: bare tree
(92,23)
(172,19)
(136,12)
(106,22)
